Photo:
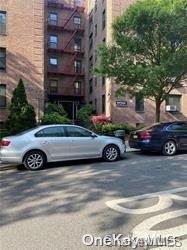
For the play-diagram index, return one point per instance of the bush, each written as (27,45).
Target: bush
(111,128)
(84,115)
(54,118)
(55,108)
(22,115)
(100,119)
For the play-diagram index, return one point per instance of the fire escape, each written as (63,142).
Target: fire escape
(74,30)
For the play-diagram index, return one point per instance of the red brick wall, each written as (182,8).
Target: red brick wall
(25,50)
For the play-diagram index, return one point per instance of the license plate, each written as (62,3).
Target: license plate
(135,136)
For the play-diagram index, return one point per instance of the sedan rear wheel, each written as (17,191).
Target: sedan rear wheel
(34,160)
(111,153)
(169,148)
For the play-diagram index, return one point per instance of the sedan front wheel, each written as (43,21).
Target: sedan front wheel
(111,153)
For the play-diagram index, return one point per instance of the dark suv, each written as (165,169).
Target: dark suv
(167,138)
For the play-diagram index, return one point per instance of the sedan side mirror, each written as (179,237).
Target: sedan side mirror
(93,135)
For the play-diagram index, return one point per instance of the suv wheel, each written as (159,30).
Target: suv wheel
(111,153)
(34,160)
(169,148)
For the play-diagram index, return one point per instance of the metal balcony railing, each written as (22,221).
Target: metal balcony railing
(67,3)
(61,24)
(71,49)
(68,70)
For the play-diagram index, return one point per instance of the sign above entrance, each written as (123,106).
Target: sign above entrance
(121,104)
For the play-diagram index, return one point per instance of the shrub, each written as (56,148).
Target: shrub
(84,115)
(100,119)
(22,115)
(55,108)
(110,128)
(54,118)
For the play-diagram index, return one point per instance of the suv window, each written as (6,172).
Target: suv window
(77,132)
(178,127)
(51,132)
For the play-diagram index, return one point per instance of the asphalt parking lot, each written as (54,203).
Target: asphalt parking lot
(55,207)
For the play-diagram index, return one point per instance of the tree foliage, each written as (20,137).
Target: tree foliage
(21,114)
(148,56)
(57,108)
(84,115)
(54,118)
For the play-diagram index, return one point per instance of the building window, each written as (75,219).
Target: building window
(95,104)
(77,66)
(139,104)
(2,59)
(2,95)
(90,23)
(103,19)
(53,18)
(78,2)
(95,5)
(53,61)
(91,64)
(174,100)
(103,103)
(90,86)
(77,44)
(104,40)
(53,86)
(77,21)
(77,86)
(2,22)
(95,29)
(103,80)
(53,41)
(91,41)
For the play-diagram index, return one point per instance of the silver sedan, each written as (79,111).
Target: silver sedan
(51,143)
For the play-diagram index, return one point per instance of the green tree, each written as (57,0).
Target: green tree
(84,115)
(148,56)
(21,113)
(54,118)
(57,108)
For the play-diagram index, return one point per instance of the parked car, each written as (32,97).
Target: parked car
(167,138)
(51,143)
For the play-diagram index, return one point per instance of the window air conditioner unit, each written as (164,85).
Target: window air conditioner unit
(171,108)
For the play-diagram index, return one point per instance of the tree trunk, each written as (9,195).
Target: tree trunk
(158,104)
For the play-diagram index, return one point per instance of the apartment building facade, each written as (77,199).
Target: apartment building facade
(101,92)
(21,52)
(64,50)
(52,46)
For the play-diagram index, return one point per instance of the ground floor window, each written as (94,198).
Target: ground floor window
(77,87)
(139,104)
(53,86)
(103,103)
(174,100)
(2,95)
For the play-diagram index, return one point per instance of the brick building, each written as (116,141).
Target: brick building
(51,45)
(101,92)
(21,51)
(64,39)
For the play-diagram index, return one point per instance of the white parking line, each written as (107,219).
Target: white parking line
(165,200)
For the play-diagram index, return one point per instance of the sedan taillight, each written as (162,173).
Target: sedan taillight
(4,143)
(145,135)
